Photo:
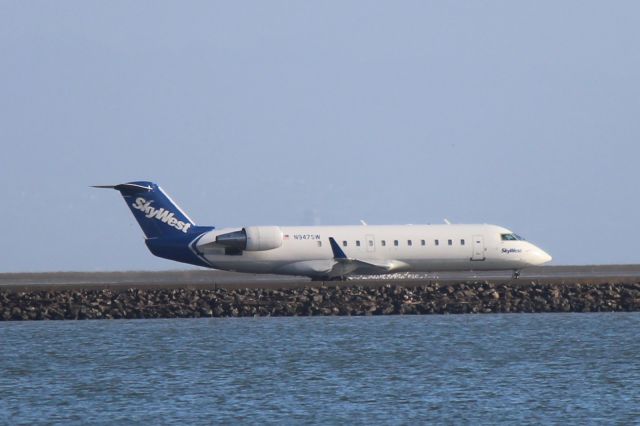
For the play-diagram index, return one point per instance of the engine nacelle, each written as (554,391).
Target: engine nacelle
(263,237)
(252,238)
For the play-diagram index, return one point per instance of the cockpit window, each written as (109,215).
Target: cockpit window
(511,237)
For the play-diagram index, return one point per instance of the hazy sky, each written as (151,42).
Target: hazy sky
(518,113)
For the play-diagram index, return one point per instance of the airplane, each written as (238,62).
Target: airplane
(324,252)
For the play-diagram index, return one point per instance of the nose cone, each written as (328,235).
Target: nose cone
(546,257)
(538,256)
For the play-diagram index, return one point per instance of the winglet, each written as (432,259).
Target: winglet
(337,251)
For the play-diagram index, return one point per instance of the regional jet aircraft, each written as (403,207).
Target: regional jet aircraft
(323,252)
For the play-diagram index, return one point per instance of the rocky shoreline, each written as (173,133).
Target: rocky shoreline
(477,297)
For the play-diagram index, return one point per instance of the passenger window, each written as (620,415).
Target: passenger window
(344,243)
(409,243)
(357,243)
(461,242)
(450,242)
(423,242)
(370,243)
(395,243)
(383,243)
(437,242)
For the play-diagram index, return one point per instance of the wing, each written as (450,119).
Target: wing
(345,265)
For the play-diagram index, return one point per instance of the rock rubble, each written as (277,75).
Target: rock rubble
(477,297)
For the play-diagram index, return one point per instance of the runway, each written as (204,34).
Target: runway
(587,274)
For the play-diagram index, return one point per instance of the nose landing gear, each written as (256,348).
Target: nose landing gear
(516,274)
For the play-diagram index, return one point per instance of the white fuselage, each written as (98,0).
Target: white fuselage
(307,251)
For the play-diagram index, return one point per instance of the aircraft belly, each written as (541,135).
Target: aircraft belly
(244,265)
(308,268)
(302,264)
(427,265)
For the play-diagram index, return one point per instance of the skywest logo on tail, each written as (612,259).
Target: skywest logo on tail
(160,214)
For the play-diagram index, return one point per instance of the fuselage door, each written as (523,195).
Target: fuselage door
(478,248)
(371,243)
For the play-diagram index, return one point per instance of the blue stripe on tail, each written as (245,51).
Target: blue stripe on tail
(157,214)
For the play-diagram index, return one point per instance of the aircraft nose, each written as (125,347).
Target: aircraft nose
(546,257)
(539,256)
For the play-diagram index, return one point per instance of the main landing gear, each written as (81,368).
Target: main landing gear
(516,274)
(338,278)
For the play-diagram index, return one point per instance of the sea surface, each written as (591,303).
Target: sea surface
(454,369)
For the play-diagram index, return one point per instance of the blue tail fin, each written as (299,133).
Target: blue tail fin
(157,214)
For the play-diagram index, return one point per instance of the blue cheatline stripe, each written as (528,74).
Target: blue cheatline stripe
(195,251)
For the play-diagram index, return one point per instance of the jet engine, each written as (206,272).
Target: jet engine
(252,238)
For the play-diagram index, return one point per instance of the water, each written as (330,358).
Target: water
(518,368)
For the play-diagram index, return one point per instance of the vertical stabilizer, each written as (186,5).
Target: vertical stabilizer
(157,214)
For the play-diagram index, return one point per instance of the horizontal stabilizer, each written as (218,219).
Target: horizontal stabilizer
(132,187)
